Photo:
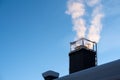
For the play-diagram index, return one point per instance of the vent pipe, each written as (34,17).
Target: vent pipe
(50,75)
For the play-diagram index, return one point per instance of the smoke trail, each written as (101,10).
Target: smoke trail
(92,2)
(76,9)
(96,25)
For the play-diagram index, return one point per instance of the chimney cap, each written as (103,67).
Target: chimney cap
(50,73)
(83,43)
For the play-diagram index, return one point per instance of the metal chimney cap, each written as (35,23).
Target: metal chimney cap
(50,73)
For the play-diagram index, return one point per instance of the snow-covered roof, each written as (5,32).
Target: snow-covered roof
(109,71)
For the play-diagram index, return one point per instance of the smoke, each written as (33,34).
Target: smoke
(77,10)
(92,2)
(96,26)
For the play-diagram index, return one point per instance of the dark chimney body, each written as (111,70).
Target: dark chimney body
(82,57)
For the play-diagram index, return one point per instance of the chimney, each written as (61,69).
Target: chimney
(50,75)
(83,55)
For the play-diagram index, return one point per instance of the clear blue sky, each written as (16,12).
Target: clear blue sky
(35,36)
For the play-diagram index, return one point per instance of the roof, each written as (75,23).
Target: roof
(109,71)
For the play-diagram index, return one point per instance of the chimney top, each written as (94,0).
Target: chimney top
(83,43)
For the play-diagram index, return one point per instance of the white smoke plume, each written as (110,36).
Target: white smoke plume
(77,10)
(92,2)
(96,25)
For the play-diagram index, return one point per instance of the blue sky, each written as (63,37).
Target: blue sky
(35,36)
